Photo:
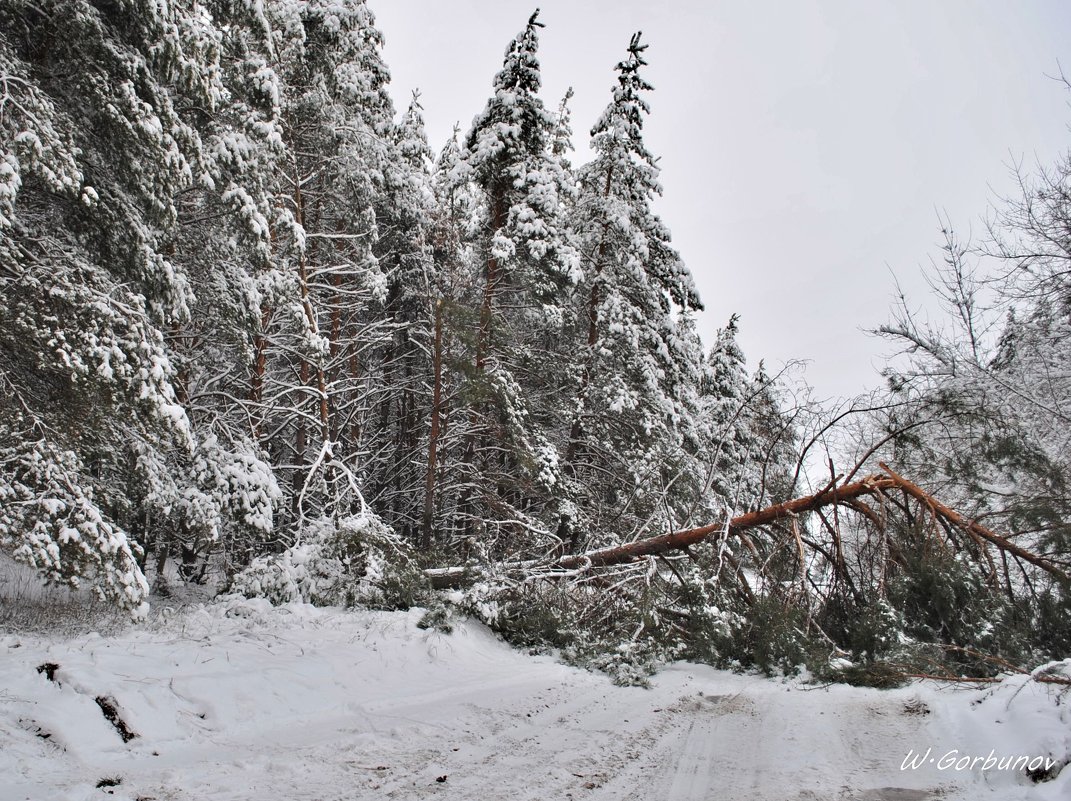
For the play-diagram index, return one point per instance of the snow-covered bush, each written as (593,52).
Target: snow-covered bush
(617,632)
(438,618)
(772,636)
(217,500)
(524,613)
(358,560)
(630,664)
(50,521)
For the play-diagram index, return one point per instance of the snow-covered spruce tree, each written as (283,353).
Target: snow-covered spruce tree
(638,369)
(725,394)
(772,418)
(562,141)
(635,429)
(510,461)
(99,136)
(724,602)
(749,439)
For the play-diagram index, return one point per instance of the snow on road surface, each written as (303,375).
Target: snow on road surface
(240,701)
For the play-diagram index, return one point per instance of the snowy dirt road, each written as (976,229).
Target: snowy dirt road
(309,704)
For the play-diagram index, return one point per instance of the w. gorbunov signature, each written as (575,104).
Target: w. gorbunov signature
(958,761)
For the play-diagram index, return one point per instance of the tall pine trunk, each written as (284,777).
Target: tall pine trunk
(433,437)
(474,441)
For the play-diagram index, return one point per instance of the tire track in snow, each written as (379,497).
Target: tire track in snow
(771,743)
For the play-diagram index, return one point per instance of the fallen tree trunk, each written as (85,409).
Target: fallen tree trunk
(832,495)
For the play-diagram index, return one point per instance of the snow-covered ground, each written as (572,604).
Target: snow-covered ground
(238,700)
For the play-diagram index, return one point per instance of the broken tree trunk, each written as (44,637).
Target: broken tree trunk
(833,495)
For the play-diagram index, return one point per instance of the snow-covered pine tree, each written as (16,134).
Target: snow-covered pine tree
(978,411)
(455,282)
(319,324)
(224,502)
(529,266)
(636,369)
(982,409)
(405,213)
(102,114)
(120,129)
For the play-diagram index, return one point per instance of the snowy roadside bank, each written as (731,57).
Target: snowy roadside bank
(241,700)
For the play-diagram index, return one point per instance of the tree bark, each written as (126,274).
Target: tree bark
(433,437)
(260,365)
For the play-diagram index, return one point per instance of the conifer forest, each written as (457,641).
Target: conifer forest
(260,337)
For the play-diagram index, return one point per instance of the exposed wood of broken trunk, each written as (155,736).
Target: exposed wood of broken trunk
(846,494)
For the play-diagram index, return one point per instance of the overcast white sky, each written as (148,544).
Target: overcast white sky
(806,146)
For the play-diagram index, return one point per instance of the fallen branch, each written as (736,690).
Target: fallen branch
(1066,682)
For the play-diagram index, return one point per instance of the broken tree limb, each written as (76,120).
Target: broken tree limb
(971,527)
(848,495)
(1061,680)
